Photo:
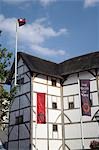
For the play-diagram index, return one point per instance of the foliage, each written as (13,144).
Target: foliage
(5,95)
(94,145)
(4,63)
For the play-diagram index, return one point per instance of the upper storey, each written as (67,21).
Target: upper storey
(74,65)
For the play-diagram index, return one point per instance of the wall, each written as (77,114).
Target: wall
(72,116)
(19,134)
(47,139)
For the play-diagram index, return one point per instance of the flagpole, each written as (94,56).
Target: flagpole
(36,135)
(16,45)
(81,122)
(36,129)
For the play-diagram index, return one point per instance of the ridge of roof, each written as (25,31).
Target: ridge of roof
(39,65)
(80,56)
(22,53)
(80,63)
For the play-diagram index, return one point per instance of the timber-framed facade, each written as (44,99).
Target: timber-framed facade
(60,84)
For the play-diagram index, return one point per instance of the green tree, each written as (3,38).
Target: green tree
(5,95)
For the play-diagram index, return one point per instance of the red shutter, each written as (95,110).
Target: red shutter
(41,116)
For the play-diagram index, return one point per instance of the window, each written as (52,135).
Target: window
(91,99)
(53,82)
(71,105)
(19,120)
(54,105)
(55,128)
(20,81)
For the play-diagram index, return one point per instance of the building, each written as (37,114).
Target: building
(59,82)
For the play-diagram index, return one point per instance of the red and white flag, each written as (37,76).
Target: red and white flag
(41,114)
(21,21)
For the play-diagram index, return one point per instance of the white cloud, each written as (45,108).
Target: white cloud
(46,2)
(32,35)
(89,3)
(47,51)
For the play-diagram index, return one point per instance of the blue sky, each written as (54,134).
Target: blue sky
(56,30)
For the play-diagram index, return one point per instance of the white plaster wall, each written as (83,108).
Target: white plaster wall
(26,69)
(93,86)
(73,114)
(55,145)
(92,129)
(26,114)
(65,101)
(56,118)
(13,116)
(94,110)
(24,102)
(70,90)
(74,144)
(20,70)
(72,131)
(53,90)
(95,98)
(41,131)
(76,101)
(15,104)
(34,99)
(14,133)
(39,88)
(26,77)
(20,62)
(41,144)
(23,132)
(23,89)
(13,145)
(24,145)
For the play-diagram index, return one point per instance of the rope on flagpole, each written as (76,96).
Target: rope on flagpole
(82,135)
(16,45)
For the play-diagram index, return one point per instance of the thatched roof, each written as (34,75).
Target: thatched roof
(71,66)
(79,64)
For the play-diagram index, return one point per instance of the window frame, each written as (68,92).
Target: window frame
(53,82)
(71,105)
(55,128)
(54,105)
(19,120)
(20,81)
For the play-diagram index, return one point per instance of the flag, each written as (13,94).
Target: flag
(21,21)
(85,97)
(41,116)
